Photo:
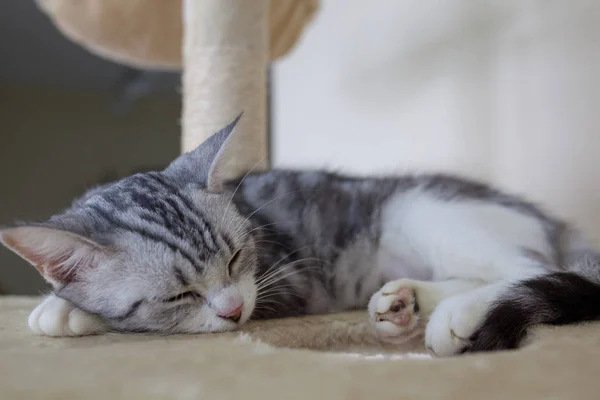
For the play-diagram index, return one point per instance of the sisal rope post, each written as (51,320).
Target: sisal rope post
(225,61)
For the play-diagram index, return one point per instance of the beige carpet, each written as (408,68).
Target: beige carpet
(561,363)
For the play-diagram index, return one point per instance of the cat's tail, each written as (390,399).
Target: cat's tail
(557,298)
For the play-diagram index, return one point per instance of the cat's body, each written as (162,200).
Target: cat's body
(185,250)
(348,236)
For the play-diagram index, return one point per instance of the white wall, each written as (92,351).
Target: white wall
(506,91)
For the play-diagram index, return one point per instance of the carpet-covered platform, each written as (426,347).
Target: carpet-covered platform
(561,363)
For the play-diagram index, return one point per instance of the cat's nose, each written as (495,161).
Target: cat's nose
(227,303)
(233,314)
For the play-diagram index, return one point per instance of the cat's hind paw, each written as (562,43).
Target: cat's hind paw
(59,317)
(394,312)
(454,321)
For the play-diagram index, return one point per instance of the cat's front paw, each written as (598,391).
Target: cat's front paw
(59,317)
(452,324)
(394,312)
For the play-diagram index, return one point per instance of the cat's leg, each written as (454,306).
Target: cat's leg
(399,311)
(58,317)
(456,318)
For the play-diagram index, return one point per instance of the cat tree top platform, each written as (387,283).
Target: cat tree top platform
(149,33)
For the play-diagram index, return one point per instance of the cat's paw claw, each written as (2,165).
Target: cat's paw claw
(455,336)
(394,312)
(58,317)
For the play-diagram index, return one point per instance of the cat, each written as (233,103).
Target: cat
(188,250)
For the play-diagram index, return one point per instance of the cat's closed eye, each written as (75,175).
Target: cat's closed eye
(233,261)
(189,295)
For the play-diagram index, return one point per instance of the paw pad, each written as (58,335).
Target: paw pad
(394,312)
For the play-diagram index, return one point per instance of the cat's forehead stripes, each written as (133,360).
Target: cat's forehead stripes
(149,206)
(175,247)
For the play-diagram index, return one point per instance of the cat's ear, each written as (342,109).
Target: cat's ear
(58,255)
(209,163)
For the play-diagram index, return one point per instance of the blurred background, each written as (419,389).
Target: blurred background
(69,121)
(501,90)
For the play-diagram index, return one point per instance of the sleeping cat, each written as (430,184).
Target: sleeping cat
(185,250)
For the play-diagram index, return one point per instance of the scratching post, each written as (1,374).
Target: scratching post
(225,60)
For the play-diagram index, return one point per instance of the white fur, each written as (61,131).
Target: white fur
(469,240)
(462,239)
(57,317)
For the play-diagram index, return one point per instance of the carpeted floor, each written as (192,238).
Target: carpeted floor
(270,360)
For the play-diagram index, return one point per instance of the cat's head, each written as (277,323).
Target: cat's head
(159,251)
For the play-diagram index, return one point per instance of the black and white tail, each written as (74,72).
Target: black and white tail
(557,298)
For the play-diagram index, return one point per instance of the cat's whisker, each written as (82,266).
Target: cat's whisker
(257,248)
(283,286)
(269,241)
(240,233)
(238,187)
(273,301)
(270,202)
(271,289)
(278,293)
(263,234)
(272,274)
(262,277)
(280,261)
(263,307)
(278,278)
(275,276)
(285,274)
(246,234)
